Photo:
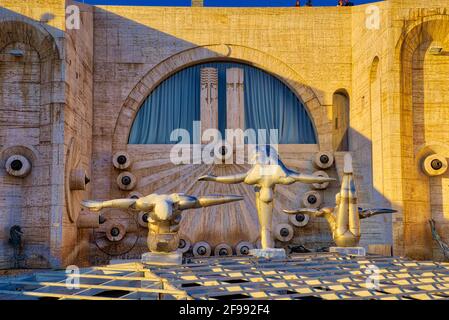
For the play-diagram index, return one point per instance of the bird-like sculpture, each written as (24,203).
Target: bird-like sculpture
(165,214)
(266,172)
(344,218)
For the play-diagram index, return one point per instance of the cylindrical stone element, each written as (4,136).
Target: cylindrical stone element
(283,232)
(299,219)
(184,244)
(115,232)
(242,248)
(126,181)
(202,249)
(312,199)
(78,179)
(142,218)
(121,160)
(223,249)
(434,165)
(18,166)
(88,221)
(323,160)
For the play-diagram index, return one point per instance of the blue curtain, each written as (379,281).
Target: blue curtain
(175,103)
(269,104)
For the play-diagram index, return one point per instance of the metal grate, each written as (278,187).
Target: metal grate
(301,276)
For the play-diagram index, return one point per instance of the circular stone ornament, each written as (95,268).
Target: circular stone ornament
(323,160)
(142,219)
(242,248)
(312,199)
(121,160)
(18,166)
(283,232)
(299,219)
(223,249)
(126,181)
(115,232)
(202,249)
(434,165)
(184,244)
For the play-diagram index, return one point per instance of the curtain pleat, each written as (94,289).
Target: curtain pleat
(175,103)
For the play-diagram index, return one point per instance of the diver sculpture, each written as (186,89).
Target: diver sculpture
(266,172)
(164,214)
(344,218)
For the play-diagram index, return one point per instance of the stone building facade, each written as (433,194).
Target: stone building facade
(376,75)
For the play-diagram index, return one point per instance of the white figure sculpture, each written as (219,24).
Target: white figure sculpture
(164,214)
(344,218)
(266,172)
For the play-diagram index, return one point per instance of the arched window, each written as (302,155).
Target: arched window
(340,113)
(268,104)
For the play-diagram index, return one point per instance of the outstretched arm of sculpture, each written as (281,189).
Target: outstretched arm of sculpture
(366,213)
(93,205)
(304,178)
(190,202)
(236,178)
(311,211)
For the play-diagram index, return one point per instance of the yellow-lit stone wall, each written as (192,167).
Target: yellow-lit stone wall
(398,110)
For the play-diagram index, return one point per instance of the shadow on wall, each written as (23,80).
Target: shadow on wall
(377,229)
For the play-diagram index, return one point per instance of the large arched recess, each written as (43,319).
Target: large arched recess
(229,52)
(33,96)
(415,187)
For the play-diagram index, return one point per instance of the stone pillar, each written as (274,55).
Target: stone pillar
(234,99)
(209,99)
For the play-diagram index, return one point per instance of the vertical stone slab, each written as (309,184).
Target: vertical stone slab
(234,99)
(376,137)
(209,99)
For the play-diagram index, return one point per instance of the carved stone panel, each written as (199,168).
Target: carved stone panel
(209,99)
(235,99)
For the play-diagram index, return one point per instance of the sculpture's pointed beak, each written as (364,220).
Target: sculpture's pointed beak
(379,210)
(309,178)
(207,177)
(213,200)
(92,205)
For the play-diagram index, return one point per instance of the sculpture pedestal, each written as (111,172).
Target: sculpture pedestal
(162,258)
(350,251)
(269,253)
